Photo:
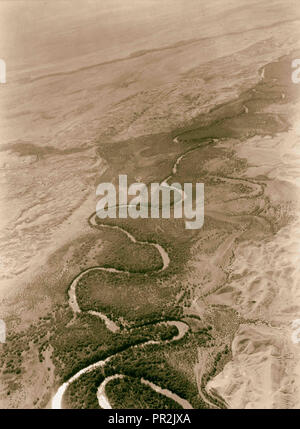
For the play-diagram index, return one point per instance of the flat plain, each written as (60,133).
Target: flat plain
(142,312)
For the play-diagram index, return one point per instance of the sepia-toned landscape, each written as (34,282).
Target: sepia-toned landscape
(144,313)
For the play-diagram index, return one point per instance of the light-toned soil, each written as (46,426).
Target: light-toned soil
(88,86)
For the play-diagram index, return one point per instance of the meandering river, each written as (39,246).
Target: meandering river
(181,326)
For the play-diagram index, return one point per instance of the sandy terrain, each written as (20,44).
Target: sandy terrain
(79,79)
(159,90)
(263,284)
(67,112)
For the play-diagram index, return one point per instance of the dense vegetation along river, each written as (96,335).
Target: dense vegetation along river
(110,324)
